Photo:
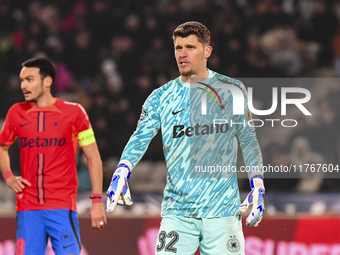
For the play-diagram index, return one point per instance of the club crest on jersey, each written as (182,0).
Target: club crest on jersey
(233,245)
(55,123)
(223,108)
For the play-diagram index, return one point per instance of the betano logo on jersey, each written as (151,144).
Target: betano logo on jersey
(41,142)
(180,130)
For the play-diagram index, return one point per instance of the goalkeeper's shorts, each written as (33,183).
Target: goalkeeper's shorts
(184,235)
(35,227)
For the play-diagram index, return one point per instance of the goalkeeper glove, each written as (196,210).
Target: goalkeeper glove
(118,191)
(256,199)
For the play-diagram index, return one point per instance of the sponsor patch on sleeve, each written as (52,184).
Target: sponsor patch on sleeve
(143,115)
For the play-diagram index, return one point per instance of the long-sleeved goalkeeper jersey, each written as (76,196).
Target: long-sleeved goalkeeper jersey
(199,130)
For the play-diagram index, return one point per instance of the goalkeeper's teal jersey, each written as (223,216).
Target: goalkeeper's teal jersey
(199,133)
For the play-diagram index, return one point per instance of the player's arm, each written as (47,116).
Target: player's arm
(91,152)
(15,183)
(147,127)
(253,160)
(8,135)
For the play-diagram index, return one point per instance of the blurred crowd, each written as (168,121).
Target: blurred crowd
(110,55)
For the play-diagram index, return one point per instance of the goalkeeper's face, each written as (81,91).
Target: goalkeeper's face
(191,56)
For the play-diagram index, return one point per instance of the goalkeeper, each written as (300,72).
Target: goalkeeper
(197,210)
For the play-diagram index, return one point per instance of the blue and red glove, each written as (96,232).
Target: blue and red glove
(118,191)
(256,199)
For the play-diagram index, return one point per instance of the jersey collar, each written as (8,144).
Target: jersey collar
(48,108)
(186,84)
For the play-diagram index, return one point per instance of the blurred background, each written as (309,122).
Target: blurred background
(110,55)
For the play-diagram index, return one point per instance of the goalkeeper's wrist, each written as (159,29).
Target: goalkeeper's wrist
(123,169)
(257,182)
(8,174)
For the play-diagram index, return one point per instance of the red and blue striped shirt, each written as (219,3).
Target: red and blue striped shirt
(48,147)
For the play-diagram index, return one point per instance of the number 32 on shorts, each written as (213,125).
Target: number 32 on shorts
(167,245)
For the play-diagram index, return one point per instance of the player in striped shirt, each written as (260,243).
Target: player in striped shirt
(49,130)
(195,114)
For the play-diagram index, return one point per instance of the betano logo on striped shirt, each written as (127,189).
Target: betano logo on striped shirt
(180,130)
(41,142)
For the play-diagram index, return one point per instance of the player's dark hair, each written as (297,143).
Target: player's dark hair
(46,68)
(193,28)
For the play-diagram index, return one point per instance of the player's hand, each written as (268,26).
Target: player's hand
(17,183)
(256,199)
(98,217)
(118,191)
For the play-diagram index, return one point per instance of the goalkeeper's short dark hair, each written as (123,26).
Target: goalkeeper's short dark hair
(193,28)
